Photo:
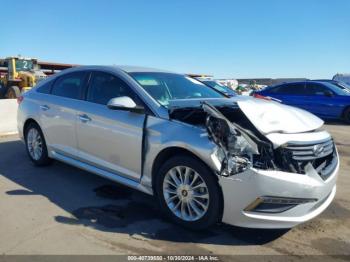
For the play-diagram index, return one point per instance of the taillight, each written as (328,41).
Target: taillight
(256,95)
(20,99)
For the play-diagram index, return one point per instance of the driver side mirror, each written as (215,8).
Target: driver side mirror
(328,93)
(124,103)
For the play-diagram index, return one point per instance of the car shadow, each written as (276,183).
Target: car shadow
(102,205)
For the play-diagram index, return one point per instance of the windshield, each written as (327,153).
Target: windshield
(24,65)
(219,87)
(164,87)
(342,85)
(341,90)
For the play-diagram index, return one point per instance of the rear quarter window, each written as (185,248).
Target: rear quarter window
(289,89)
(70,85)
(272,90)
(45,87)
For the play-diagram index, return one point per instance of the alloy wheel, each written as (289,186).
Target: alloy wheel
(34,144)
(185,193)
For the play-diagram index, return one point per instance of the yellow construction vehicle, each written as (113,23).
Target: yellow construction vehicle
(22,74)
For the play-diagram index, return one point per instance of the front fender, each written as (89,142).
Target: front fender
(161,134)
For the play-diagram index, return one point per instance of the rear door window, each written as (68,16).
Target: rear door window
(289,89)
(70,85)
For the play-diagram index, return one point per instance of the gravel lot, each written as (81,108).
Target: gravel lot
(63,210)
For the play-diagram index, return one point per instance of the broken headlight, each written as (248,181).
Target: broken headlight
(233,162)
(236,148)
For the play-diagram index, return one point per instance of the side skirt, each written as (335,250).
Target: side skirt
(103,173)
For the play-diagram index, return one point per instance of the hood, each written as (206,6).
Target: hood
(273,117)
(266,116)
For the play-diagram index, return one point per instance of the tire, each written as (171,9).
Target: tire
(38,157)
(13,92)
(3,91)
(347,115)
(190,219)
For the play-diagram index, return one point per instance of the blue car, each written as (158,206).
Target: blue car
(322,98)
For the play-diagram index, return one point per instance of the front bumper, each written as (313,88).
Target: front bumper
(240,190)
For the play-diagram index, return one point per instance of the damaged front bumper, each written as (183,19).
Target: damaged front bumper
(272,179)
(307,195)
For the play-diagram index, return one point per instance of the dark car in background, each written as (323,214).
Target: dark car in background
(219,87)
(326,99)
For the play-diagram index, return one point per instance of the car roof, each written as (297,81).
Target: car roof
(132,69)
(320,81)
(295,82)
(125,68)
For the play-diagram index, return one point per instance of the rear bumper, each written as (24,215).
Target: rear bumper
(20,123)
(241,190)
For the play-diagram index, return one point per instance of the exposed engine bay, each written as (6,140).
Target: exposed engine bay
(238,147)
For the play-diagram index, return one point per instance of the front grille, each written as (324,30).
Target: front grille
(294,157)
(311,152)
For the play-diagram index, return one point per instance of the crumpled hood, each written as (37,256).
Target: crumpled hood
(267,116)
(273,117)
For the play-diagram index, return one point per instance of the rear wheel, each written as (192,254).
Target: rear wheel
(3,90)
(188,193)
(347,115)
(36,145)
(13,92)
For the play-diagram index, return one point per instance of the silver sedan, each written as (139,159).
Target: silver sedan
(205,157)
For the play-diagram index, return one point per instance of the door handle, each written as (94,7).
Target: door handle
(84,118)
(44,107)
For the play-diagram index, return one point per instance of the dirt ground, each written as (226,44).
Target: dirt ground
(63,210)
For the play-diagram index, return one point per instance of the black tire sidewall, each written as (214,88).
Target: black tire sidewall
(214,211)
(44,159)
(347,115)
(15,90)
(3,91)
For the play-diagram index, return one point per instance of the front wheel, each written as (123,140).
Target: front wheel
(188,193)
(347,115)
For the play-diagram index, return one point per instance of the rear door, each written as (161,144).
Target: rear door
(58,113)
(110,139)
(291,94)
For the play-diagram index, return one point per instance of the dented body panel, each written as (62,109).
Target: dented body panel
(162,134)
(273,117)
(254,183)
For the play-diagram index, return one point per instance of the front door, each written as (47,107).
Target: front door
(322,101)
(110,139)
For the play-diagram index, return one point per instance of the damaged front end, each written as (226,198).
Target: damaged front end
(238,148)
(239,144)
